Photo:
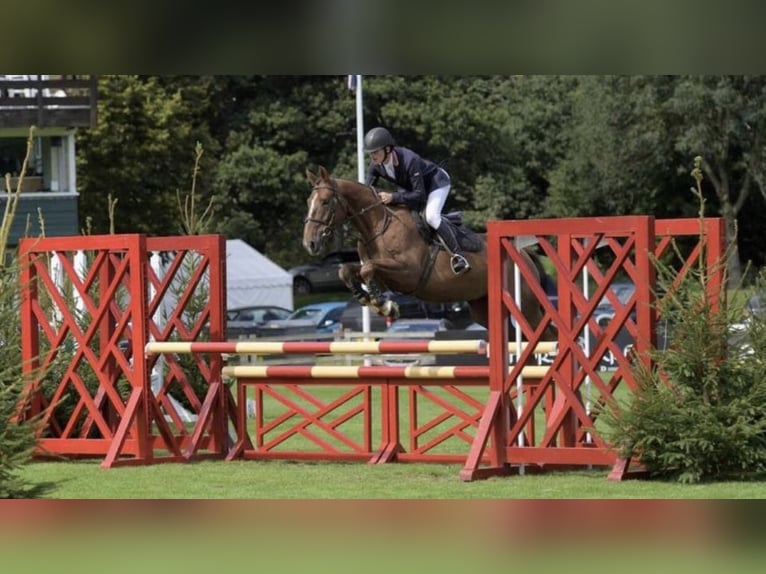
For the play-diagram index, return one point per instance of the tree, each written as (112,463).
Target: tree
(461,122)
(537,131)
(18,437)
(723,119)
(282,125)
(620,154)
(142,152)
(515,146)
(18,433)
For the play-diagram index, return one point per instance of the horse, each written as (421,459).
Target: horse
(400,255)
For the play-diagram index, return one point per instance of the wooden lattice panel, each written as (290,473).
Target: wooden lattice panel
(86,309)
(556,422)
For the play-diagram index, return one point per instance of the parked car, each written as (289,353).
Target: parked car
(313,318)
(756,305)
(753,311)
(420,326)
(322,275)
(410,307)
(409,329)
(605,310)
(246,320)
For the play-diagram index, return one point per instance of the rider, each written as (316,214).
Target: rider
(420,181)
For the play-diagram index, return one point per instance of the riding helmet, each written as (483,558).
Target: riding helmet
(377,138)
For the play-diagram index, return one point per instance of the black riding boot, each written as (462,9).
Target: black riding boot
(458,262)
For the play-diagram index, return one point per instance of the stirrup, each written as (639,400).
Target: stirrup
(459,264)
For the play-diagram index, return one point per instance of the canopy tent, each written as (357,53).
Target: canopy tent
(254,279)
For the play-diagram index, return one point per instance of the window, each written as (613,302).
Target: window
(49,167)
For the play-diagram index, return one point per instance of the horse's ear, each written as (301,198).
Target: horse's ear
(323,173)
(311,177)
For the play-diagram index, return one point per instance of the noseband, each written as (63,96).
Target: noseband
(330,223)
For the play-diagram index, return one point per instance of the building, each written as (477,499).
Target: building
(57,106)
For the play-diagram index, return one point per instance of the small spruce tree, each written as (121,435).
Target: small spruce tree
(18,435)
(699,413)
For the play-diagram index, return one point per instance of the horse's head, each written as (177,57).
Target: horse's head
(325,211)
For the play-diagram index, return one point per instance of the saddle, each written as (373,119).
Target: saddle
(468,239)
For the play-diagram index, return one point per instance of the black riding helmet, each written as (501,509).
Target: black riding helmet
(378,138)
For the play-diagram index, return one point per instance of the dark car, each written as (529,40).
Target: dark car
(247,320)
(410,307)
(322,275)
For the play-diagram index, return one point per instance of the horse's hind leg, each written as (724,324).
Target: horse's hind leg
(480,311)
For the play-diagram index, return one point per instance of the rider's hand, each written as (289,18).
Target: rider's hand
(386,197)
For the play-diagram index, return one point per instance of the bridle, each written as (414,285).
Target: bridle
(330,223)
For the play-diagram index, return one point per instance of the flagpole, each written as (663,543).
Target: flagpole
(361,168)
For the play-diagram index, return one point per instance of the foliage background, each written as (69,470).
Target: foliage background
(515,146)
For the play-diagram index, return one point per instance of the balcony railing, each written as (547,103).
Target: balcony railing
(44,102)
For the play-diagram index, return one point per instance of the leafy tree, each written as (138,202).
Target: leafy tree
(620,153)
(289,123)
(538,131)
(515,146)
(723,119)
(457,121)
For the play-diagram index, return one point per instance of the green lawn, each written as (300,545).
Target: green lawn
(252,479)
(295,480)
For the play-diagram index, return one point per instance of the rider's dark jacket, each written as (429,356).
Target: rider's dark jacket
(416,176)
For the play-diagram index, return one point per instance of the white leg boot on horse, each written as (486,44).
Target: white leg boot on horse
(458,262)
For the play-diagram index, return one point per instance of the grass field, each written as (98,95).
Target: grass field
(281,480)
(353,481)
(315,518)
(284,480)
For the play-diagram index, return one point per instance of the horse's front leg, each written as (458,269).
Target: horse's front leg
(350,274)
(385,307)
(368,293)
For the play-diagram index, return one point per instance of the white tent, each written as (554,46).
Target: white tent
(254,279)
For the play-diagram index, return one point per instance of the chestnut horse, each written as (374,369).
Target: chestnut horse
(395,255)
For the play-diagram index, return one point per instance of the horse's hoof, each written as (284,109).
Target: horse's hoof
(391,309)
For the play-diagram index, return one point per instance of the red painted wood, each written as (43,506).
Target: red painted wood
(101,299)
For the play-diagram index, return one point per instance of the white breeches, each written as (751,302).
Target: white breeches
(435,204)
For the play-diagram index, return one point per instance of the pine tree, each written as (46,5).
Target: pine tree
(17,436)
(700,412)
